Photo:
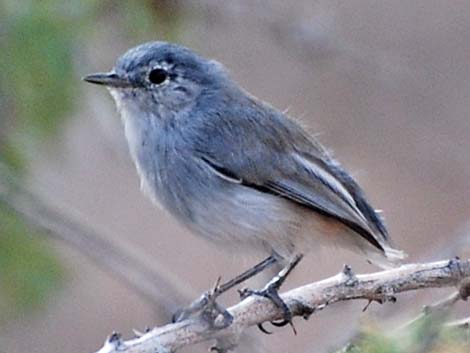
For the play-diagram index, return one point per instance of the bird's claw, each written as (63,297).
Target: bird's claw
(271,292)
(208,308)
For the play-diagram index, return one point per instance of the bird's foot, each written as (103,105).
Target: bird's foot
(271,292)
(207,307)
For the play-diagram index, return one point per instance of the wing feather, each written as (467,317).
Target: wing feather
(256,146)
(316,195)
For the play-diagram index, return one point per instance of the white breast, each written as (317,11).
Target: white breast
(136,125)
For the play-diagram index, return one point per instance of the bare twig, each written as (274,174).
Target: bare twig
(462,323)
(302,301)
(442,306)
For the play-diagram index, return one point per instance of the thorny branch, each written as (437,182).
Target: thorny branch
(443,306)
(303,301)
(437,314)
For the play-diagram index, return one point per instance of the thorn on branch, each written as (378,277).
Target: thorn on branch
(369,302)
(454,266)
(350,277)
(115,338)
(386,297)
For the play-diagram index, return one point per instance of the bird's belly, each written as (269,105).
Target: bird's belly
(234,216)
(248,219)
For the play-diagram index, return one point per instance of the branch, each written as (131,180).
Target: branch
(436,314)
(443,306)
(303,301)
(462,323)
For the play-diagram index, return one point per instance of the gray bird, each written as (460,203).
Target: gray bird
(232,168)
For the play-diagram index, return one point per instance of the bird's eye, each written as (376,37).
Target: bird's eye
(158,76)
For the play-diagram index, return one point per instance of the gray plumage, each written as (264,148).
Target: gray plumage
(232,168)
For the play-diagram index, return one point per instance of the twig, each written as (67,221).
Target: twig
(443,306)
(462,323)
(302,301)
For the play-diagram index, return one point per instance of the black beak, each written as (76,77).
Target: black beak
(110,79)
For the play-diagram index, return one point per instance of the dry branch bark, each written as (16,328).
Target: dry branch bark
(303,301)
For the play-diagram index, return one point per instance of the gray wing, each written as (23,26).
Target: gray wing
(308,190)
(272,154)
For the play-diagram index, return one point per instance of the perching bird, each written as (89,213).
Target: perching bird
(232,168)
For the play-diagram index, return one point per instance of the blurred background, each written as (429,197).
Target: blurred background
(385,85)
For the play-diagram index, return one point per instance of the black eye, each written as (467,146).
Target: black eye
(158,76)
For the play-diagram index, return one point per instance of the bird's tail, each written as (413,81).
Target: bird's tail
(389,258)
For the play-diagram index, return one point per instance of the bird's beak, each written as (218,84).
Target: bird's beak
(110,79)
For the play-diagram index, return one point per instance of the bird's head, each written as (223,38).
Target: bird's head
(160,78)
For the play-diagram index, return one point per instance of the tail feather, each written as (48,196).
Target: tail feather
(390,258)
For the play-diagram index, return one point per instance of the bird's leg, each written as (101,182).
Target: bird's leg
(206,304)
(251,272)
(271,291)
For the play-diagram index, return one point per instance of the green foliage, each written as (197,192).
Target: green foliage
(147,20)
(41,43)
(425,335)
(37,76)
(374,343)
(41,81)
(37,86)
(29,272)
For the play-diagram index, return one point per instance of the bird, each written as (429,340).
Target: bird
(232,168)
